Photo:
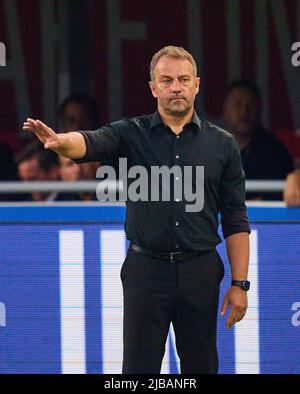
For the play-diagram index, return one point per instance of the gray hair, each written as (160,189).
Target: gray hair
(171,51)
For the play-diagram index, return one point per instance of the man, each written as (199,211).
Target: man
(36,164)
(264,156)
(172,272)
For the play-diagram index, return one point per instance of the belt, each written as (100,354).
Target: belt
(171,257)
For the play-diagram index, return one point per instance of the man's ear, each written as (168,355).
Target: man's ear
(152,87)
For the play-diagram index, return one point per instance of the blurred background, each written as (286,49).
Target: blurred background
(103,49)
(78,64)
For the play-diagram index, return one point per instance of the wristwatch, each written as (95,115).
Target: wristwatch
(244,284)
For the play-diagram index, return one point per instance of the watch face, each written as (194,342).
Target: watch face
(246,285)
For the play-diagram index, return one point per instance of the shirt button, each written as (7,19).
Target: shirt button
(177,136)
(177,223)
(177,200)
(176,246)
(177,178)
(177,156)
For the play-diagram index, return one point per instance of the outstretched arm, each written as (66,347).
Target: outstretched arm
(71,145)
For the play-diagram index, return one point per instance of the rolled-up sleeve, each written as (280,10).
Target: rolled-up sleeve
(233,209)
(101,145)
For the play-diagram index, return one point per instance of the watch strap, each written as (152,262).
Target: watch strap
(244,284)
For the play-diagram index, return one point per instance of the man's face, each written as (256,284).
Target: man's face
(76,117)
(175,85)
(29,170)
(241,112)
(88,170)
(70,171)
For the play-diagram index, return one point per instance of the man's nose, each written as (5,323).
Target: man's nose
(175,86)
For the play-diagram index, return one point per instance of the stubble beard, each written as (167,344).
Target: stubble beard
(178,109)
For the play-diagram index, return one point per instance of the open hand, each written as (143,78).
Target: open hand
(237,298)
(45,134)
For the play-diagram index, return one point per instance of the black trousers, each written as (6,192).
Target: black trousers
(157,293)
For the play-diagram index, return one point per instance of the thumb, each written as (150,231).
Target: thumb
(50,144)
(224,306)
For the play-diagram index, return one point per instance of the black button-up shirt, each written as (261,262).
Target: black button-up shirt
(165,225)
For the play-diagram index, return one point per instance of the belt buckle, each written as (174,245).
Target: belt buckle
(172,256)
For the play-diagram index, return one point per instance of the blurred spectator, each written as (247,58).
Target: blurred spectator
(78,112)
(8,168)
(292,189)
(36,164)
(69,171)
(264,156)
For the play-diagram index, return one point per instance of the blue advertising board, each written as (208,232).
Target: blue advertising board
(61,295)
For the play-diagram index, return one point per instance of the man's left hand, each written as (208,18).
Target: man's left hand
(237,298)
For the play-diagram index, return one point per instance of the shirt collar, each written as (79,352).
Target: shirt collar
(156,120)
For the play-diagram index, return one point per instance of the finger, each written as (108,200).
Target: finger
(26,124)
(28,128)
(229,324)
(234,315)
(33,128)
(32,122)
(44,127)
(224,306)
(241,317)
(31,125)
(47,131)
(231,319)
(50,144)
(241,313)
